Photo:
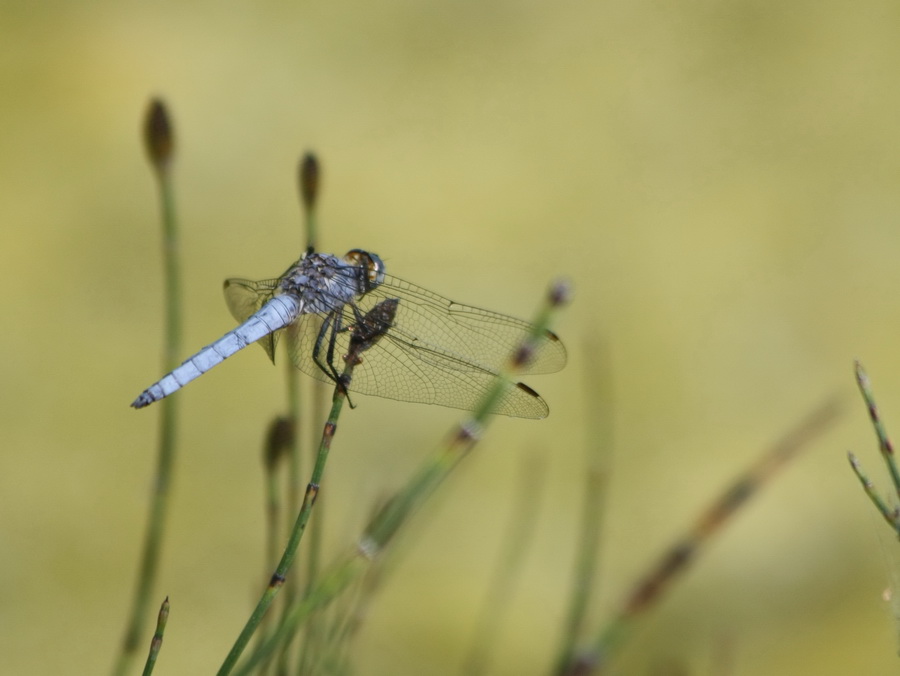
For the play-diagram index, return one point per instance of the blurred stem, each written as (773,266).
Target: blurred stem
(598,391)
(160,157)
(311,638)
(430,475)
(678,557)
(508,567)
(290,551)
(294,413)
(388,521)
(309,183)
(279,440)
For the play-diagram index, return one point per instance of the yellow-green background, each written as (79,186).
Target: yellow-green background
(720,180)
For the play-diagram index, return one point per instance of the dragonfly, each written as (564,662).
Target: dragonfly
(428,349)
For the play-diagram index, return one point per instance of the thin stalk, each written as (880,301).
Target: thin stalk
(294,473)
(438,468)
(156,643)
(517,538)
(677,558)
(279,440)
(313,628)
(890,514)
(598,388)
(310,186)
(388,521)
(160,146)
(370,329)
(308,180)
(884,442)
(290,551)
(330,585)
(346,623)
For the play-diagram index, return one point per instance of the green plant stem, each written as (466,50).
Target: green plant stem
(273,519)
(890,515)
(295,466)
(508,567)
(884,442)
(311,638)
(678,557)
(406,502)
(309,184)
(598,389)
(299,528)
(330,585)
(156,643)
(167,430)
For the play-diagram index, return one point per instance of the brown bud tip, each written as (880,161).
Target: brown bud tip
(310,173)
(158,135)
(560,293)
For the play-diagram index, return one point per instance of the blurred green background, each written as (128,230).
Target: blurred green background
(719,181)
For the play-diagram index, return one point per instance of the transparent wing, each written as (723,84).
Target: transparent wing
(402,366)
(474,335)
(244,298)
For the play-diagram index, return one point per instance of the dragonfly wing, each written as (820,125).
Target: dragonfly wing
(244,298)
(400,366)
(301,337)
(472,334)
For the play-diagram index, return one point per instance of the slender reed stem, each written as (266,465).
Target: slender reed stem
(674,561)
(388,521)
(884,442)
(890,514)
(598,388)
(433,473)
(517,538)
(310,182)
(331,583)
(159,140)
(308,179)
(156,643)
(290,550)
(279,440)
(313,628)
(375,323)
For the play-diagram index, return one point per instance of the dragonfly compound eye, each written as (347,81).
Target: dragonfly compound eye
(372,263)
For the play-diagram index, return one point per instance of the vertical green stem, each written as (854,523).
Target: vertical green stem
(884,442)
(297,531)
(598,390)
(160,146)
(406,502)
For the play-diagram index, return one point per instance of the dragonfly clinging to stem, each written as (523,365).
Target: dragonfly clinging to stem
(430,350)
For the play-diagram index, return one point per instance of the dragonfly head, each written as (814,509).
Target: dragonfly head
(370,263)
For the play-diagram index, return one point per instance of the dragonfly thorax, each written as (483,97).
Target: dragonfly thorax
(324,282)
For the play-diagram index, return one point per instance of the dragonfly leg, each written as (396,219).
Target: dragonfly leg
(327,366)
(331,327)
